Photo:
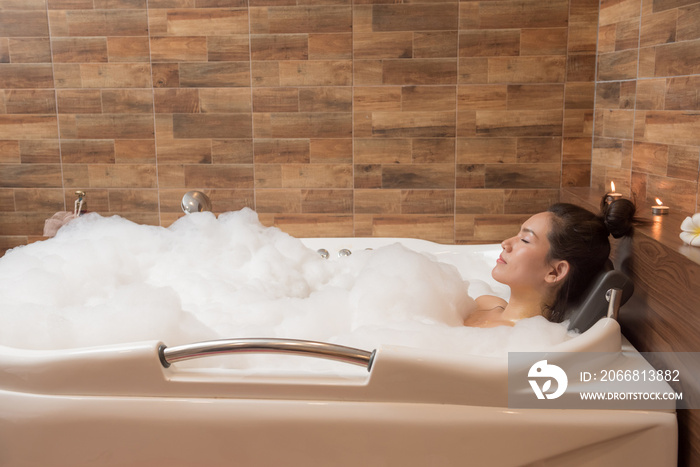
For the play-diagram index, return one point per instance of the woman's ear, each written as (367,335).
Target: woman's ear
(557,273)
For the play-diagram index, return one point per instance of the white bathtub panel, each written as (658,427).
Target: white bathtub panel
(52,431)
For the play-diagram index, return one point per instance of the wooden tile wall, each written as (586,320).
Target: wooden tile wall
(647,117)
(439,119)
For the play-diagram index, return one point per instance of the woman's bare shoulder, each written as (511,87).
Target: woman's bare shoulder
(486,302)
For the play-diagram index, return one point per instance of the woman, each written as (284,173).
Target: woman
(551,261)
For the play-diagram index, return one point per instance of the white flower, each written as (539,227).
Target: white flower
(691,230)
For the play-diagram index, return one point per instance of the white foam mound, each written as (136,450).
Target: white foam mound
(108,280)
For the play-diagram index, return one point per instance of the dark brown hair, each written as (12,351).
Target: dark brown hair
(580,237)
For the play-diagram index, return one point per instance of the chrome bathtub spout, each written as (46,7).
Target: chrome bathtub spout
(195,201)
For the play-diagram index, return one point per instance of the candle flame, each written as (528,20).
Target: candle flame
(659,202)
(612,187)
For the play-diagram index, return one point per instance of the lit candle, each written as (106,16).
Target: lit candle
(659,209)
(612,196)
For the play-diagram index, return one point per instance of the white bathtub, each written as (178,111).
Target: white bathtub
(120,406)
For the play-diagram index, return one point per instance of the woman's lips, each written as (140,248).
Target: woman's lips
(500,260)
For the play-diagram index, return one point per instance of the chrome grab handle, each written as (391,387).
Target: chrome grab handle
(170,355)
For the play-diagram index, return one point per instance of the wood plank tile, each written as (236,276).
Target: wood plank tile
(181,101)
(87,151)
(232,48)
(29,50)
(303,125)
(329,151)
(301,19)
(413,124)
(133,101)
(387,98)
(529,97)
(681,58)
(122,176)
(441,202)
(382,151)
(577,150)
(552,41)
(115,75)
(581,95)
(82,23)
(548,69)
(216,21)
(316,73)
(383,45)
(278,201)
(523,175)
(79,50)
(489,43)
(672,128)
(134,200)
(24,127)
(650,158)
(486,150)
(419,71)
(24,23)
(179,49)
(134,151)
(330,46)
(219,176)
(377,201)
(279,47)
(38,199)
(30,101)
(319,201)
(582,37)
(165,75)
(433,150)
(27,76)
(183,151)
(325,99)
(580,67)
(530,14)
(225,100)
(576,175)
(281,151)
(479,201)
(114,126)
(619,10)
(128,49)
(212,125)
(214,74)
(683,162)
(435,228)
(627,34)
(687,26)
(232,151)
(539,150)
(42,151)
(617,65)
(681,93)
(487,97)
(519,122)
(9,152)
(470,176)
(418,176)
(30,176)
(528,201)
(428,98)
(415,17)
(275,100)
(435,44)
(658,28)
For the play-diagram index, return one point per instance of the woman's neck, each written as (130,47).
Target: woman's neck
(524,304)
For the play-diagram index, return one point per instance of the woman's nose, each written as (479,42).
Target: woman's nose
(507,243)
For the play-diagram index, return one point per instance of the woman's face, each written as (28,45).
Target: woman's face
(523,262)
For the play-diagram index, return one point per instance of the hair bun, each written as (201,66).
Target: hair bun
(618,217)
